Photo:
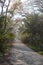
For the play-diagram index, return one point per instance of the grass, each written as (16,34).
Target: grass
(35,49)
(40,52)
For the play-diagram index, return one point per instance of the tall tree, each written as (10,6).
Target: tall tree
(9,8)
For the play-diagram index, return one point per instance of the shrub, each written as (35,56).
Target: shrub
(6,36)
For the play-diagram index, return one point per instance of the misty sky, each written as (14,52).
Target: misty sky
(28,7)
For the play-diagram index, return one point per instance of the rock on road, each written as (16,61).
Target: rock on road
(20,54)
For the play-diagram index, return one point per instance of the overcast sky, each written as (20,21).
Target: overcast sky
(27,7)
(23,0)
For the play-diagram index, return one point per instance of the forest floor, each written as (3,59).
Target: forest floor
(20,54)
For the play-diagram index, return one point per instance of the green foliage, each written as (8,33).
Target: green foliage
(34,31)
(24,37)
(4,41)
(6,36)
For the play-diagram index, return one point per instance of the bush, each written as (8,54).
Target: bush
(35,42)
(5,40)
(6,36)
(24,37)
(34,29)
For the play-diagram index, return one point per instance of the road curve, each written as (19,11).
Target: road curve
(20,54)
